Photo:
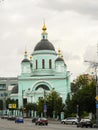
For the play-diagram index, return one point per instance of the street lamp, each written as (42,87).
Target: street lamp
(45,106)
(77,111)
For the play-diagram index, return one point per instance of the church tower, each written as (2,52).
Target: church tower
(45,71)
(25,66)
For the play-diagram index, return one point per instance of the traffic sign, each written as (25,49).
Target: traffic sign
(10,105)
(96,105)
(45,108)
(14,105)
(96,97)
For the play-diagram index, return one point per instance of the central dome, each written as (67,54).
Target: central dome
(44,44)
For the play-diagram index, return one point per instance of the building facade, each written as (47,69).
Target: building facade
(6,86)
(43,72)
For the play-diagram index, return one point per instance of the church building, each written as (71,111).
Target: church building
(43,72)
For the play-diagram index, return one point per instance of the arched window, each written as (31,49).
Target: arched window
(36,64)
(43,64)
(50,64)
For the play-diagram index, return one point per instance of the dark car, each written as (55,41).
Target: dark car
(34,119)
(41,121)
(19,120)
(85,123)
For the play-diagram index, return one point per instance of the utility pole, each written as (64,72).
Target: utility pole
(77,111)
(95,66)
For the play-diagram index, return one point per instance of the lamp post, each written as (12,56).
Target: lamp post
(45,106)
(77,111)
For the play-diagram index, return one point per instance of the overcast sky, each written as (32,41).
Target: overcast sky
(72,26)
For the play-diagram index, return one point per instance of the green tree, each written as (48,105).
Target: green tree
(54,103)
(40,106)
(81,81)
(31,106)
(84,97)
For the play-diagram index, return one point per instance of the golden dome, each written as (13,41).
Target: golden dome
(25,53)
(62,57)
(44,28)
(59,51)
(30,57)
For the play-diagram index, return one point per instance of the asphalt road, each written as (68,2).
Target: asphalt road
(28,125)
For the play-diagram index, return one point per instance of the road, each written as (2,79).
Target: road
(28,125)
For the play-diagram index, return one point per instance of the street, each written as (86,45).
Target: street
(28,125)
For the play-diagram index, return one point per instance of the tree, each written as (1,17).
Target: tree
(40,106)
(31,106)
(53,102)
(84,97)
(80,82)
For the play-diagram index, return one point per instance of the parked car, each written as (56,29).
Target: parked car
(19,120)
(34,119)
(41,121)
(4,116)
(11,118)
(85,123)
(70,120)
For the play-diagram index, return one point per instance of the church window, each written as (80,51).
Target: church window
(36,64)
(43,64)
(50,64)
(31,65)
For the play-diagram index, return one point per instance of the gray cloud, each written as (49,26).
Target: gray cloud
(91,53)
(85,7)
(68,26)
(69,56)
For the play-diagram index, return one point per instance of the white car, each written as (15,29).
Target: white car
(85,123)
(70,120)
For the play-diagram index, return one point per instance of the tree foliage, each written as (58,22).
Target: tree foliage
(84,97)
(40,106)
(31,106)
(53,102)
(81,82)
